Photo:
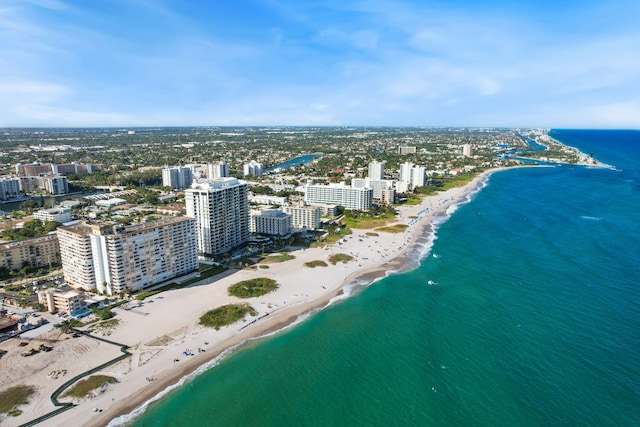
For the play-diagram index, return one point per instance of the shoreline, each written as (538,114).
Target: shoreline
(159,329)
(121,414)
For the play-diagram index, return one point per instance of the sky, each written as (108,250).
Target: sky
(488,63)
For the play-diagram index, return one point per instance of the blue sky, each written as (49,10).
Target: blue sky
(327,62)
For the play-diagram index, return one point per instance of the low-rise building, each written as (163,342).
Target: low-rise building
(60,215)
(54,300)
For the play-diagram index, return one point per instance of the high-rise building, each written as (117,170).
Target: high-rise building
(177,177)
(376,171)
(467,150)
(54,184)
(414,176)
(341,195)
(221,210)
(378,186)
(253,168)
(217,170)
(9,188)
(118,259)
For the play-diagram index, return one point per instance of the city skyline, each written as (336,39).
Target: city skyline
(273,63)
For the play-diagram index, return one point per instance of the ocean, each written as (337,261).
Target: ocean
(525,311)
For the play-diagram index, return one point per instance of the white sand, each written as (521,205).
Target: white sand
(170,319)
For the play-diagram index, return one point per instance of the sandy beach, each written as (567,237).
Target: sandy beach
(160,329)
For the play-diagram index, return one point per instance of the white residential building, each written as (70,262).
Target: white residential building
(54,184)
(60,215)
(341,195)
(414,176)
(407,149)
(378,186)
(467,151)
(221,210)
(177,177)
(265,199)
(217,170)
(9,188)
(118,259)
(253,168)
(273,222)
(376,171)
(307,217)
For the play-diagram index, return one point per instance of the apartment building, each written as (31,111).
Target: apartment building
(217,170)
(177,177)
(119,259)
(253,168)
(37,252)
(341,195)
(304,217)
(60,215)
(273,222)
(378,187)
(221,211)
(9,188)
(54,300)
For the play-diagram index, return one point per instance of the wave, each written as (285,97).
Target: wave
(591,218)
(420,250)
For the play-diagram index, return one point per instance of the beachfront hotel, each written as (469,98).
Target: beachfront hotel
(119,259)
(341,195)
(221,211)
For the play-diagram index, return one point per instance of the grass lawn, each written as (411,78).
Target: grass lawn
(83,388)
(369,222)
(13,397)
(226,315)
(253,287)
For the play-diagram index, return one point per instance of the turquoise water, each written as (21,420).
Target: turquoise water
(532,319)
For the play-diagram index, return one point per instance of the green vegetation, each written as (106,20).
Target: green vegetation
(102,313)
(33,228)
(13,397)
(314,264)
(334,235)
(253,287)
(84,387)
(336,258)
(445,183)
(226,315)
(396,228)
(272,259)
(264,267)
(377,216)
(371,234)
(413,200)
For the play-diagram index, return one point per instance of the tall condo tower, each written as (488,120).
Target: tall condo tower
(376,171)
(221,210)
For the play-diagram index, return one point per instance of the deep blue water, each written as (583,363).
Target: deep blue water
(301,160)
(533,319)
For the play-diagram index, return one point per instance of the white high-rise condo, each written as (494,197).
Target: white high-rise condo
(217,170)
(253,168)
(414,176)
(376,171)
(177,177)
(341,195)
(117,259)
(221,210)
